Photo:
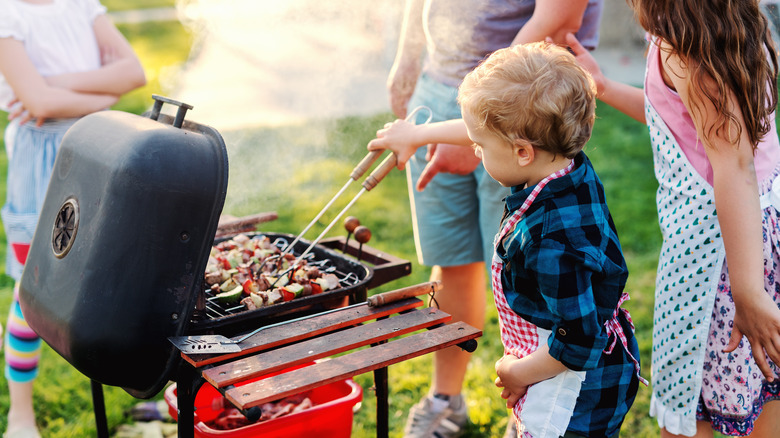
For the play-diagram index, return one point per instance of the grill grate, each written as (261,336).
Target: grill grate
(214,309)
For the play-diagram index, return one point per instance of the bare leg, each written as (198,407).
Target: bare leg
(703,430)
(768,423)
(21,414)
(463,297)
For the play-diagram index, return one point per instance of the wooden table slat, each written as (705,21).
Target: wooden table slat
(289,356)
(342,367)
(296,331)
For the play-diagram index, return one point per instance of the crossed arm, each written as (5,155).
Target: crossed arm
(72,94)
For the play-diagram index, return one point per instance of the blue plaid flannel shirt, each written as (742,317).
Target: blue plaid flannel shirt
(564,271)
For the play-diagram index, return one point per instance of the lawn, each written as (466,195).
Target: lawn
(619,150)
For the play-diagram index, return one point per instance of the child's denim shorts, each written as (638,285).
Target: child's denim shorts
(456,216)
(31,153)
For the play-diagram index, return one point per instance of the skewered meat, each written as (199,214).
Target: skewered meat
(254,272)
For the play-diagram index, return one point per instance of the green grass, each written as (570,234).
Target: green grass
(268,174)
(160,61)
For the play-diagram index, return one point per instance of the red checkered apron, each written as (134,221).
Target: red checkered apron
(520,337)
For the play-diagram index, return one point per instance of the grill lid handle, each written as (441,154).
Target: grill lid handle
(158,103)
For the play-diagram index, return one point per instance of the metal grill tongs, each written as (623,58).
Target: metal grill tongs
(370,182)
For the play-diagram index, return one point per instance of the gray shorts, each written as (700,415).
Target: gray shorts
(456,217)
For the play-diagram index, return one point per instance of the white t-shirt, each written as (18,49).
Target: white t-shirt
(58,36)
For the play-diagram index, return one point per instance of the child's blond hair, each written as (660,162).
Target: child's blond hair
(533,92)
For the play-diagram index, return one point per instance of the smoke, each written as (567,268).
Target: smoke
(267,62)
(269,75)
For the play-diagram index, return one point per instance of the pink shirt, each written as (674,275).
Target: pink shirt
(673,112)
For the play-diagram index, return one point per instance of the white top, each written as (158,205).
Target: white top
(57,36)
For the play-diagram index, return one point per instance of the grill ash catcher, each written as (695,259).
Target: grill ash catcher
(116,268)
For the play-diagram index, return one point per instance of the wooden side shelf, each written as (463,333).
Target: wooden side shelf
(340,368)
(344,343)
(288,333)
(323,346)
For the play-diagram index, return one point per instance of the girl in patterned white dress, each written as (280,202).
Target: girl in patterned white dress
(709,99)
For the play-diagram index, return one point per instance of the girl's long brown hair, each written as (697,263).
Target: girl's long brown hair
(728,41)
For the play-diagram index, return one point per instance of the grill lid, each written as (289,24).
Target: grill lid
(122,243)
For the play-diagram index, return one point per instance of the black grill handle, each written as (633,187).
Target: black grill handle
(158,103)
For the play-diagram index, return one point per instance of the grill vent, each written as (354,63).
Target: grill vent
(66,225)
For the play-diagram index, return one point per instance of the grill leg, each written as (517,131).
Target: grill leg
(99,406)
(382,406)
(187,384)
(382,392)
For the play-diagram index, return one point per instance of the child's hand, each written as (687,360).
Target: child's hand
(18,111)
(513,389)
(398,137)
(511,397)
(587,62)
(759,320)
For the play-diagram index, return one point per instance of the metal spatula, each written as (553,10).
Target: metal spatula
(215,344)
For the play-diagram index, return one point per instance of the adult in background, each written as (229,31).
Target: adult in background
(457,213)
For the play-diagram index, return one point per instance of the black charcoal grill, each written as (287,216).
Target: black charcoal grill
(117,263)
